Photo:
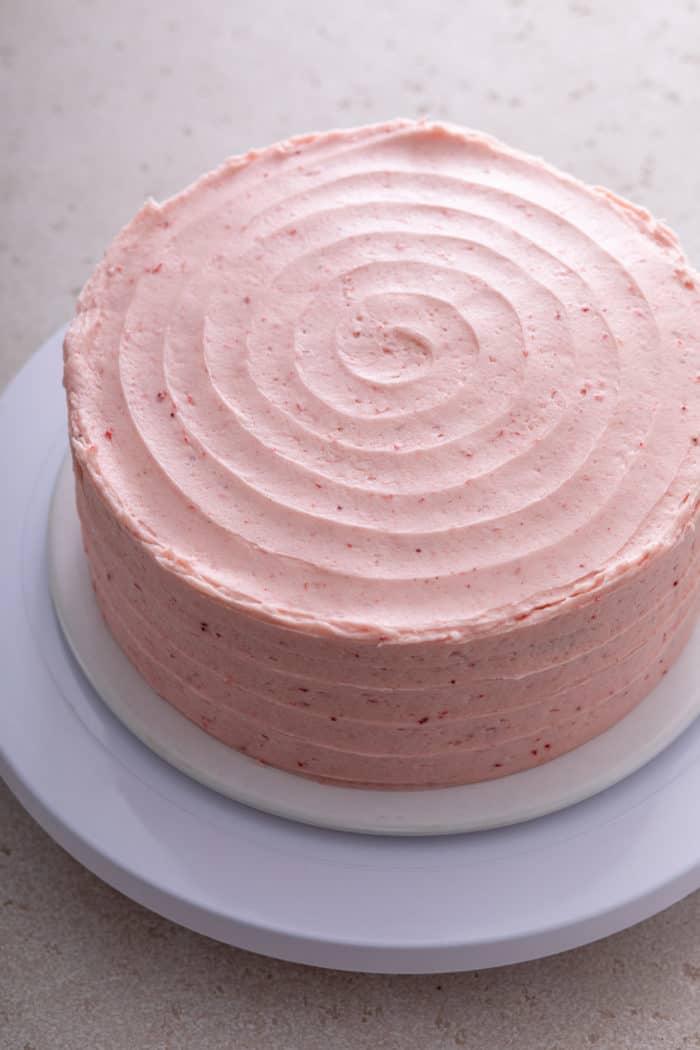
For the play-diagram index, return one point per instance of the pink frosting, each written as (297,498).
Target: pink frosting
(387,453)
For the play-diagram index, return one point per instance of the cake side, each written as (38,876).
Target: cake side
(386,453)
(347,710)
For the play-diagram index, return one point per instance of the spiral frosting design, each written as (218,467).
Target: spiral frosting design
(400,381)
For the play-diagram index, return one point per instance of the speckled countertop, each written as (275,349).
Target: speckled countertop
(105,103)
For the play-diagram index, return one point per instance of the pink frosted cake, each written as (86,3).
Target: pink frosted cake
(387,453)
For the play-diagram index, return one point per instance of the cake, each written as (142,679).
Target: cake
(386,449)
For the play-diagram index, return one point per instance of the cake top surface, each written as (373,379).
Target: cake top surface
(399,381)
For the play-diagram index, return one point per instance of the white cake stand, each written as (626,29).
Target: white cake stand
(358,902)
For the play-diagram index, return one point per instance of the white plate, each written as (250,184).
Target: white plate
(356,902)
(658,720)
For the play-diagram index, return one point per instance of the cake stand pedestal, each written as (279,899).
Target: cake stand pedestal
(358,902)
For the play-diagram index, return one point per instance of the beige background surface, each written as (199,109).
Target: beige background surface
(104,103)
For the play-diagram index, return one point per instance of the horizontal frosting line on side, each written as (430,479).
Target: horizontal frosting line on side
(530,752)
(506,756)
(218,673)
(351,735)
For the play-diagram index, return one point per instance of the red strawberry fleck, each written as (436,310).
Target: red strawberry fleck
(422,721)
(534,751)
(108,435)
(161,395)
